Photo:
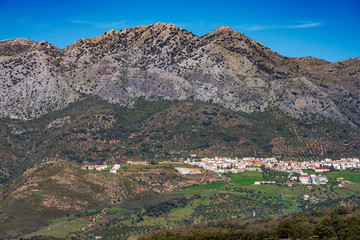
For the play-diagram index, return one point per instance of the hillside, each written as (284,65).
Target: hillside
(43,179)
(211,207)
(95,131)
(57,189)
(339,223)
(162,61)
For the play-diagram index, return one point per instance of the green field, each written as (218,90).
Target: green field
(246,178)
(308,171)
(353,176)
(61,228)
(208,186)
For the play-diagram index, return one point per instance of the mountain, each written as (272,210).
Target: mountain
(195,83)
(164,62)
(156,92)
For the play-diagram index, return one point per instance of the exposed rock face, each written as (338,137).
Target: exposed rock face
(162,61)
(30,83)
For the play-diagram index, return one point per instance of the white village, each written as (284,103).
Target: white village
(222,165)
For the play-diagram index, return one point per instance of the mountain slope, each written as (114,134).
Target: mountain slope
(30,83)
(162,61)
(95,131)
(54,189)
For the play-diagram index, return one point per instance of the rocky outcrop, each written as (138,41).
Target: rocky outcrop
(30,83)
(162,61)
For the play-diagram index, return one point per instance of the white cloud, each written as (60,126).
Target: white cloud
(304,25)
(270,27)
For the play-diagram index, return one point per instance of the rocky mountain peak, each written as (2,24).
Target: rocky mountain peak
(233,40)
(225,33)
(48,49)
(162,61)
(12,47)
(224,29)
(164,25)
(112,32)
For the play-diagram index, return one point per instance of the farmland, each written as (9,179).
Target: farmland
(238,199)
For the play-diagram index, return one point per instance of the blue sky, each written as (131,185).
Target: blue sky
(324,29)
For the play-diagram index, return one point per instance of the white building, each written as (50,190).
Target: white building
(115,168)
(304,178)
(100,167)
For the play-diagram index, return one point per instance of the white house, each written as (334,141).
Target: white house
(100,167)
(115,168)
(304,179)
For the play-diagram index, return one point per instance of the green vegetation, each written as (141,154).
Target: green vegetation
(339,223)
(240,200)
(60,229)
(246,178)
(308,171)
(99,132)
(96,131)
(208,186)
(353,176)
(277,176)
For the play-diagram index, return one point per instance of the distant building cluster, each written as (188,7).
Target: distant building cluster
(318,166)
(305,178)
(114,169)
(223,165)
(264,182)
(234,165)
(307,197)
(94,167)
(106,68)
(137,162)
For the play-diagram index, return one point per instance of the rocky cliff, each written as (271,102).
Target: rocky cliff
(162,61)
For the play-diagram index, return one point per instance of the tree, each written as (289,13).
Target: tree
(196,195)
(324,231)
(332,168)
(285,230)
(153,162)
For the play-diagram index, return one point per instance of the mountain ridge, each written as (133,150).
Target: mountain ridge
(162,61)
